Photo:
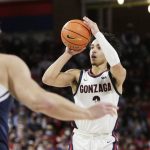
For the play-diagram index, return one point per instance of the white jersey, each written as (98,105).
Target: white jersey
(91,90)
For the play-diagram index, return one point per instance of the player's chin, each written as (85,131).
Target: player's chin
(93,63)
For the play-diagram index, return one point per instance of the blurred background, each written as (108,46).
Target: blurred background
(31,29)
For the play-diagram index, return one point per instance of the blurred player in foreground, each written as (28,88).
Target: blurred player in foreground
(15,80)
(102,83)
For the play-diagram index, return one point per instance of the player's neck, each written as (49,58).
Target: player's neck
(98,69)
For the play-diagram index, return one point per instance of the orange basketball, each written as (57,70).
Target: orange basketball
(75,34)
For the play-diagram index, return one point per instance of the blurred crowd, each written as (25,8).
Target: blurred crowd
(134,106)
(33,131)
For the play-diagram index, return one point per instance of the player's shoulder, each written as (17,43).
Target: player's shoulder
(9,58)
(12,62)
(6,60)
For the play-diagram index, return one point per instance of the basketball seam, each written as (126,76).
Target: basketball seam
(71,42)
(82,25)
(77,33)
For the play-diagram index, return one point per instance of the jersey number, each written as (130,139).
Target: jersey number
(96,99)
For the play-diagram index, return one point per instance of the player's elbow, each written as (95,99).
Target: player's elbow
(123,72)
(44,78)
(48,79)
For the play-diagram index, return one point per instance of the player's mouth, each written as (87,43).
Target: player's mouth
(93,56)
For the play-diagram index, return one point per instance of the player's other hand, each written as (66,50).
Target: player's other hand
(73,52)
(91,24)
(101,109)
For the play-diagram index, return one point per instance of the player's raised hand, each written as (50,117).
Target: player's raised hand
(73,52)
(101,109)
(91,24)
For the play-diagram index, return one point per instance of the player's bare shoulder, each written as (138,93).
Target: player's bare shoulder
(13,60)
(4,60)
(14,65)
(9,60)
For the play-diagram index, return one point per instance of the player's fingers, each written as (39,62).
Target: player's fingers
(87,19)
(111,106)
(111,111)
(88,24)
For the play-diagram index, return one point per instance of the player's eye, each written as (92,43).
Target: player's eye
(92,47)
(99,47)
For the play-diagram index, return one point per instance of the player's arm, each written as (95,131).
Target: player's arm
(53,75)
(25,89)
(117,70)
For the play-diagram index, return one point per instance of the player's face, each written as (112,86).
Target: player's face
(96,55)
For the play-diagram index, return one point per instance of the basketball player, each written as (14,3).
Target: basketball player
(90,87)
(15,79)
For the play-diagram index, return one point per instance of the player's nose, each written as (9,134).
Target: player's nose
(93,51)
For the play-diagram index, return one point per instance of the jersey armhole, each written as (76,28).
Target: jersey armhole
(80,77)
(113,83)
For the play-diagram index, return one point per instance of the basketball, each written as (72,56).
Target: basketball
(75,34)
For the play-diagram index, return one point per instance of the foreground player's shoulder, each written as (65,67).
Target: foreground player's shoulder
(16,65)
(15,61)
(10,59)
(7,61)
(14,58)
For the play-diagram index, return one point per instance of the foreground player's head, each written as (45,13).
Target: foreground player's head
(97,57)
